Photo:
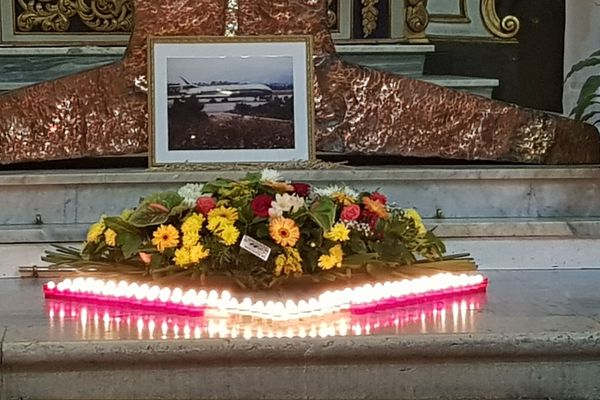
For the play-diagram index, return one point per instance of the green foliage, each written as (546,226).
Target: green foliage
(588,96)
(381,245)
(323,212)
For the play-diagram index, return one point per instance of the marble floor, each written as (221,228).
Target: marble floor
(516,302)
(539,330)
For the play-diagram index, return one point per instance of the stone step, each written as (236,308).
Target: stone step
(24,66)
(533,335)
(407,60)
(80,196)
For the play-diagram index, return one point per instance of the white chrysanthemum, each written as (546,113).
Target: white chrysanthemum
(333,189)
(326,191)
(288,202)
(270,175)
(190,193)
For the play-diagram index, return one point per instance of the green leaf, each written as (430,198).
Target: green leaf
(214,186)
(262,231)
(323,212)
(129,243)
(586,96)
(119,225)
(145,216)
(168,199)
(588,62)
(590,115)
(178,210)
(397,227)
(357,246)
(253,177)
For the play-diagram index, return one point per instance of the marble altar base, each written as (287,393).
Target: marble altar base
(534,335)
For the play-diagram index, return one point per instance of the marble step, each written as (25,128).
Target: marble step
(24,66)
(485,192)
(533,335)
(407,60)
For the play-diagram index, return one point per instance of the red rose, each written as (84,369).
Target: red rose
(350,213)
(204,204)
(379,197)
(301,189)
(261,204)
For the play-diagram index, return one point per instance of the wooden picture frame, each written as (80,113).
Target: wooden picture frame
(222,100)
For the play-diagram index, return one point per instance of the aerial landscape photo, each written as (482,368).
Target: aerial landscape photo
(230,102)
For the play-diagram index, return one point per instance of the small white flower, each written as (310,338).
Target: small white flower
(270,175)
(190,193)
(275,211)
(333,189)
(288,203)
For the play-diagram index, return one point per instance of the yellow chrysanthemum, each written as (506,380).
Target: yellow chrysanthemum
(190,239)
(186,256)
(337,252)
(333,259)
(216,224)
(416,217)
(229,235)
(284,231)
(288,263)
(95,231)
(190,229)
(182,257)
(376,207)
(192,224)
(229,213)
(110,237)
(338,233)
(343,198)
(165,237)
(198,253)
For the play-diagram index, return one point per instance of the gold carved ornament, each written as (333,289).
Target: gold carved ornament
(332,18)
(57,15)
(370,15)
(417,16)
(505,28)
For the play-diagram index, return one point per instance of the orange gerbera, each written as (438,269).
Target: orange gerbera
(284,231)
(375,207)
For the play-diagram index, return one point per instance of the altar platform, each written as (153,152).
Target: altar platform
(533,335)
(547,217)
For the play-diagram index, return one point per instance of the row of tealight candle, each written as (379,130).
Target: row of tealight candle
(358,300)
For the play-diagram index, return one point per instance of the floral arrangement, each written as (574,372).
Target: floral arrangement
(260,231)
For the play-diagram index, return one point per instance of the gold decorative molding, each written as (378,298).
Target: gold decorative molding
(461,18)
(57,15)
(504,28)
(332,16)
(370,15)
(417,19)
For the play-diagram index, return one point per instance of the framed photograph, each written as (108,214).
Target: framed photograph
(230,99)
